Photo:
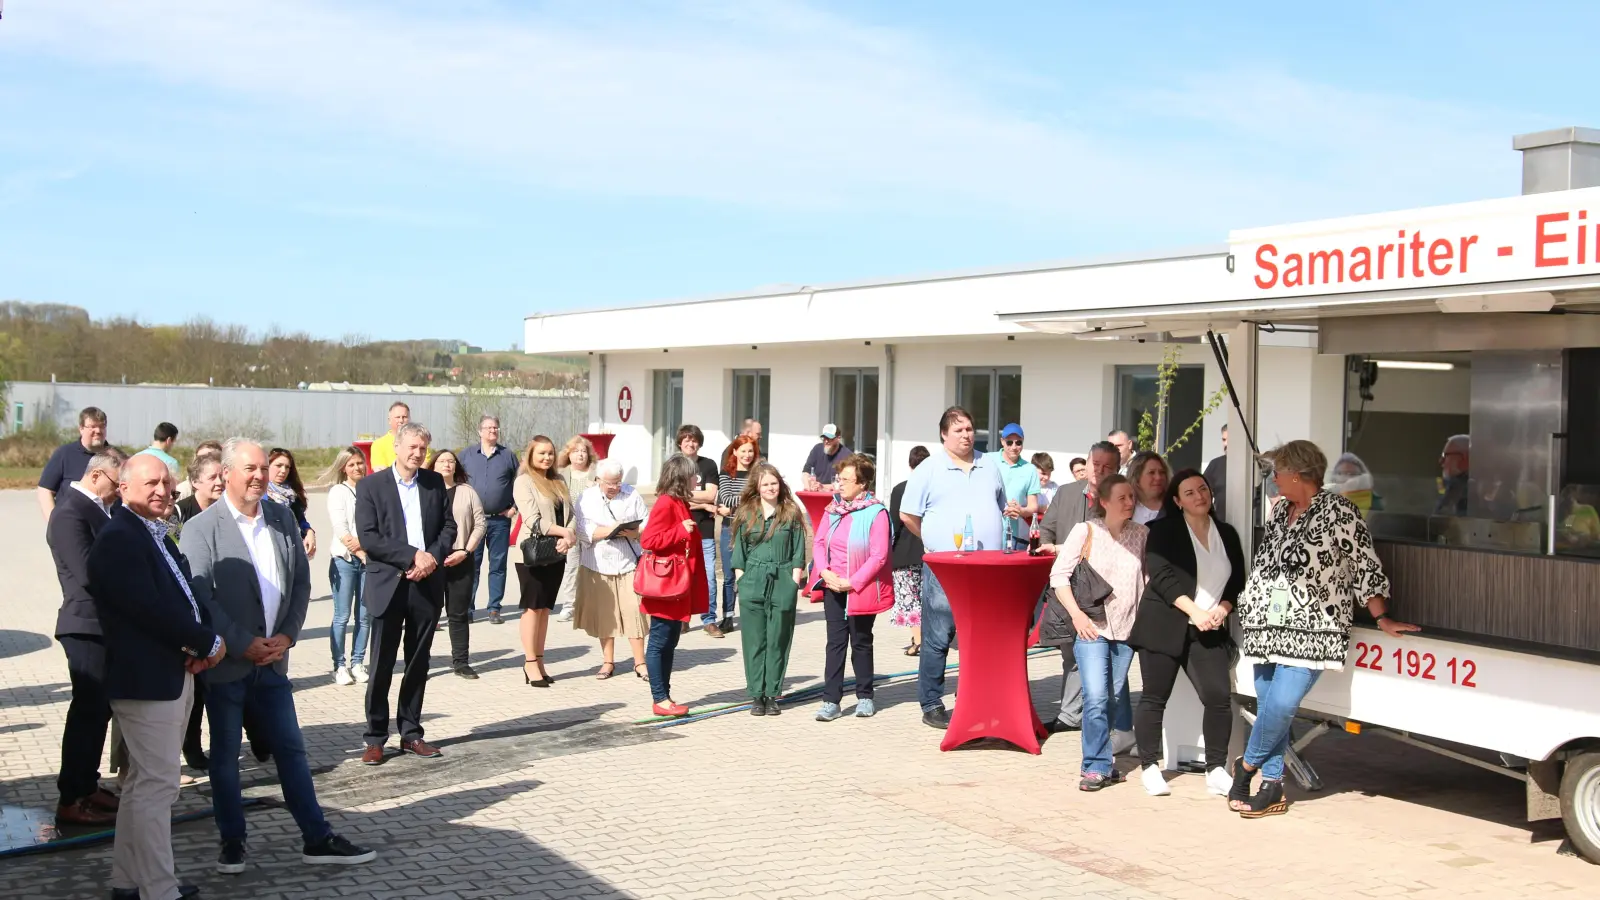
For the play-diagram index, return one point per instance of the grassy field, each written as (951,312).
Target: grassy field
(311,463)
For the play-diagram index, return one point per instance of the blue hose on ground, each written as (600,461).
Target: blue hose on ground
(801,695)
(100,837)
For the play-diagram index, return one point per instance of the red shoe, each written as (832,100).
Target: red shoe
(670,709)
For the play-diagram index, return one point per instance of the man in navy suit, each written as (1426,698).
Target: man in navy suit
(83,508)
(156,641)
(404,525)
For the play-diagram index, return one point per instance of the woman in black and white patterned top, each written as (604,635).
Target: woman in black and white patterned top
(737,461)
(1315,562)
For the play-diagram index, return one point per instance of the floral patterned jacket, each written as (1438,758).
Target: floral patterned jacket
(1298,603)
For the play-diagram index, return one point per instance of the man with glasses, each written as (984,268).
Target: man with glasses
(1454,470)
(1021,479)
(818,472)
(491,470)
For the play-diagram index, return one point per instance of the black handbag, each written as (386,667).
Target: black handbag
(539,549)
(1088,588)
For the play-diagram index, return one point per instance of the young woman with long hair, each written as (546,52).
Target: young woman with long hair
(546,508)
(768,561)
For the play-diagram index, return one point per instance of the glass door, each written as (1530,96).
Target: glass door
(994,397)
(666,411)
(854,408)
(752,399)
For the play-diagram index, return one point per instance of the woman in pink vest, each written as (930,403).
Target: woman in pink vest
(850,557)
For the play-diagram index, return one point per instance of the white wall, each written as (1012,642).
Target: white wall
(1068,389)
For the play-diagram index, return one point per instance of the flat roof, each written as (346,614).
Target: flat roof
(784,290)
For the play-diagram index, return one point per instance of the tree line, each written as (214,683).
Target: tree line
(41,341)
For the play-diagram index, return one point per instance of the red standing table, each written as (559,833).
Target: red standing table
(992,597)
(816,504)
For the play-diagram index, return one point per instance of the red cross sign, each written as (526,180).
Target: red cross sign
(625,403)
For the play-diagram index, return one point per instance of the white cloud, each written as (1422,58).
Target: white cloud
(774,103)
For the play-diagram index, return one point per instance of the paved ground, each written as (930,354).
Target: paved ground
(553,793)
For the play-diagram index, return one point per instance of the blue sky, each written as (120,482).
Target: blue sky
(406,169)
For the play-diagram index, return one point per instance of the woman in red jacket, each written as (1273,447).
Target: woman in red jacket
(670,531)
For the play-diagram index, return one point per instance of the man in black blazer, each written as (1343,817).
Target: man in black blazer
(82,508)
(404,525)
(156,641)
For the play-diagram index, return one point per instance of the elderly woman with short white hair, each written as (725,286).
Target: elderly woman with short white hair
(608,517)
(1315,563)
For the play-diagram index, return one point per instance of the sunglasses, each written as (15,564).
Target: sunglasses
(1012,442)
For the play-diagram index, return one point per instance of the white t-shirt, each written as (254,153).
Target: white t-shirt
(1212,569)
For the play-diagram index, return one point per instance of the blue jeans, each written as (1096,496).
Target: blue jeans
(347,578)
(938,632)
(497,540)
(725,547)
(270,698)
(1104,666)
(664,634)
(708,549)
(1279,690)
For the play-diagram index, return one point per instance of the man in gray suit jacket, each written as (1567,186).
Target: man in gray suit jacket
(251,574)
(1074,503)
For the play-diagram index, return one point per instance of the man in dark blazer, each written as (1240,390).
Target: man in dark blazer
(156,641)
(1074,503)
(82,508)
(252,576)
(404,525)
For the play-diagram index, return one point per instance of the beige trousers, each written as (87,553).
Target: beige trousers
(152,730)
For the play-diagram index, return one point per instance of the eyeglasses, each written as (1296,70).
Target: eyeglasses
(1012,442)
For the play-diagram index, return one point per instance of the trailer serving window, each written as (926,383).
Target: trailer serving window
(1475,449)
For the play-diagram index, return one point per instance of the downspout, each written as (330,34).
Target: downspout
(886,440)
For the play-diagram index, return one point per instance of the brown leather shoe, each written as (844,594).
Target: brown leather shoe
(373,755)
(712,630)
(82,812)
(421,748)
(104,799)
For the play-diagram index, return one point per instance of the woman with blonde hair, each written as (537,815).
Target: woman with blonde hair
(576,463)
(546,510)
(768,560)
(347,570)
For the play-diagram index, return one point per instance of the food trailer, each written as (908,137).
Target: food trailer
(1459,358)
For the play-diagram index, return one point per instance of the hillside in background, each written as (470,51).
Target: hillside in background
(42,341)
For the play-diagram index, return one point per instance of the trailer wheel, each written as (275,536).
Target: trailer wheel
(1580,803)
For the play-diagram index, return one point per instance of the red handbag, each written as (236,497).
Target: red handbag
(661,577)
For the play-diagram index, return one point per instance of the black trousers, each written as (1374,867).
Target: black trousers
(458,584)
(408,623)
(1207,658)
(845,632)
(83,740)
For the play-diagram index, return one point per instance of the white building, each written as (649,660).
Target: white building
(1068,349)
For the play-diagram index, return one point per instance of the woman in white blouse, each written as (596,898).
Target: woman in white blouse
(1148,472)
(1196,570)
(347,569)
(1114,548)
(607,607)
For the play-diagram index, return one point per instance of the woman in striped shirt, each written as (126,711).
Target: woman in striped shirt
(737,461)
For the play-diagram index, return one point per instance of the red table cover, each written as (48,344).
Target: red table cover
(816,504)
(993,596)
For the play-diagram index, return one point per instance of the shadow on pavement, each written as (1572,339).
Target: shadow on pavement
(21,643)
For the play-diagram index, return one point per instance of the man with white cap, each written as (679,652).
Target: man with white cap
(818,472)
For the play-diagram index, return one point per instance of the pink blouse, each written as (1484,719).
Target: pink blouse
(1120,563)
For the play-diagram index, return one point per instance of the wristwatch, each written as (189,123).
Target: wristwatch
(1380,617)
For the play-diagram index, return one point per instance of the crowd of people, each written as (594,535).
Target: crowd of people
(183,600)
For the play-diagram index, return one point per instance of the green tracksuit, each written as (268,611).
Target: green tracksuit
(767,596)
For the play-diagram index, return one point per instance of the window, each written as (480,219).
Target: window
(854,408)
(16,419)
(666,411)
(1136,393)
(752,399)
(994,397)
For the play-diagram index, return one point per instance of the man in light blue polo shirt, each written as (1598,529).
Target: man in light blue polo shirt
(941,495)
(1022,484)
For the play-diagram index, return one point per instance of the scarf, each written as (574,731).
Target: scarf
(862,511)
(282,493)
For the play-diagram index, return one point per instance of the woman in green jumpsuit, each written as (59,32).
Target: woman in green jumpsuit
(769,564)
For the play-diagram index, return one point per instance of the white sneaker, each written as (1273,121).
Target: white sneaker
(359,671)
(1219,782)
(1123,743)
(1154,784)
(342,676)
(565,615)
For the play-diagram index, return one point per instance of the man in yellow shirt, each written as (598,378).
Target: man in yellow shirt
(383,448)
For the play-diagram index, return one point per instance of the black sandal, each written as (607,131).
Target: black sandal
(1269,801)
(1240,792)
(606,671)
(914,648)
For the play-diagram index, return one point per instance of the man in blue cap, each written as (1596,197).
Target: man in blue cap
(1022,485)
